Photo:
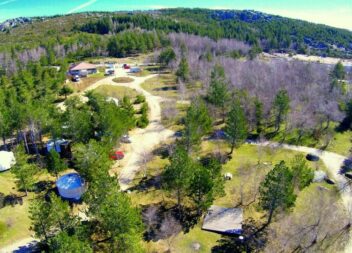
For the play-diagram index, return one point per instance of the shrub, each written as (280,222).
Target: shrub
(139,99)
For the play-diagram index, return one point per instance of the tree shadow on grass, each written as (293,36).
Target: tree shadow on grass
(252,241)
(147,183)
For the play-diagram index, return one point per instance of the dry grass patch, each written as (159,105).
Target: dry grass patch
(116,91)
(163,85)
(85,83)
(123,80)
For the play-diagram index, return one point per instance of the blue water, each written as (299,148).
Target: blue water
(313,10)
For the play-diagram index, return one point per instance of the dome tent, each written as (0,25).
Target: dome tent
(7,160)
(70,186)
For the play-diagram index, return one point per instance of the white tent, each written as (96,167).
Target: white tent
(7,160)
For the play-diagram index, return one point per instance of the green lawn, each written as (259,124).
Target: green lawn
(207,240)
(15,220)
(116,91)
(98,74)
(341,143)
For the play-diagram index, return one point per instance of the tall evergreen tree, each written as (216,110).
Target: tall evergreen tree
(276,191)
(182,72)
(54,163)
(236,125)
(218,94)
(23,170)
(281,106)
(197,123)
(178,174)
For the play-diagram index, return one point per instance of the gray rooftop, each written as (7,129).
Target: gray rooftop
(223,220)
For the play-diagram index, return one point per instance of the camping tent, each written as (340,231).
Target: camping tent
(55,145)
(7,160)
(70,186)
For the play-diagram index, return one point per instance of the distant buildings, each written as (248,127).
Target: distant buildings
(83,69)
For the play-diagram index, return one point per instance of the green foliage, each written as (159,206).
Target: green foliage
(143,121)
(50,217)
(132,42)
(338,72)
(23,170)
(201,188)
(91,159)
(201,182)
(218,93)
(197,123)
(117,220)
(127,106)
(101,26)
(64,243)
(166,56)
(177,175)
(139,99)
(78,119)
(276,191)
(254,51)
(302,174)
(236,125)
(182,72)
(54,163)
(281,106)
(65,91)
(110,121)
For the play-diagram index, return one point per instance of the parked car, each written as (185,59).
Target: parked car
(126,66)
(109,72)
(125,139)
(76,78)
(117,155)
(312,158)
(135,70)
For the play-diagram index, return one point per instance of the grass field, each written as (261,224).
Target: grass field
(116,91)
(123,80)
(341,143)
(84,83)
(15,219)
(163,85)
(249,165)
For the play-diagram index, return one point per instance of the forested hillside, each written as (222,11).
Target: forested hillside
(80,35)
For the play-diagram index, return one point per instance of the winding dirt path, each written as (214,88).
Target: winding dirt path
(143,141)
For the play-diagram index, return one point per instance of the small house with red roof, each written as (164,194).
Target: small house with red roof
(83,69)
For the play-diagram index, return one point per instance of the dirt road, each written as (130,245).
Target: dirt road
(143,141)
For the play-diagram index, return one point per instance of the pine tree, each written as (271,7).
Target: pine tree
(54,163)
(236,126)
(197,123)
(24,172)
(218,94)
(276,191)
(182,72)
(281,107)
